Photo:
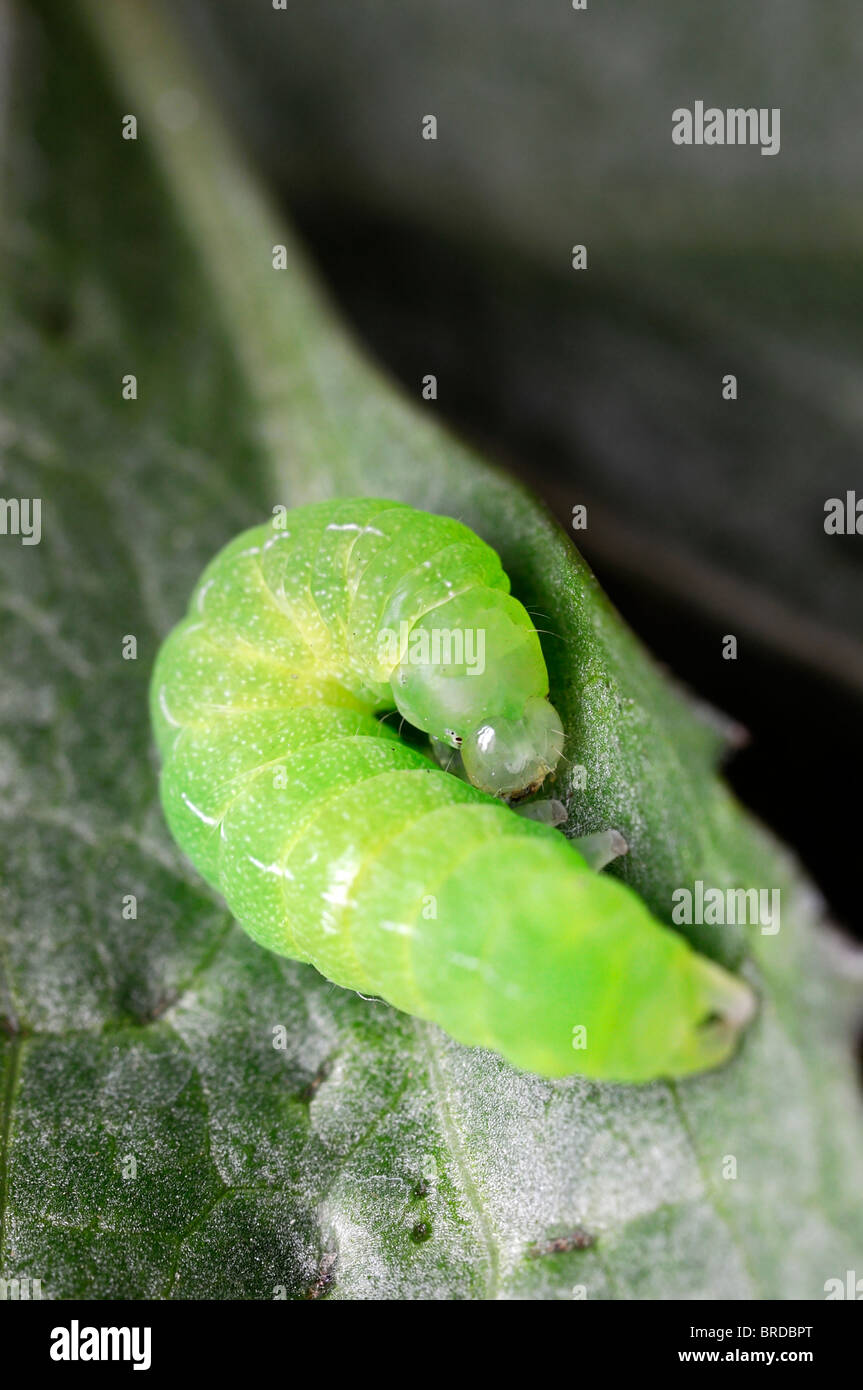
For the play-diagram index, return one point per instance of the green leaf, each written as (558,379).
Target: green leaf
(154,1141)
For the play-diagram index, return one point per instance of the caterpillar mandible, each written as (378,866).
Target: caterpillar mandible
(335,842)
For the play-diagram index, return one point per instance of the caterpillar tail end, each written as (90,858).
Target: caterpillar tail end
(727,1006)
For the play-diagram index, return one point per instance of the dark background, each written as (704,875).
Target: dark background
(603,387)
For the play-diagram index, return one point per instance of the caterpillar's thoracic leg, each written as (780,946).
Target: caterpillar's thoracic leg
(547,812)
(602,847)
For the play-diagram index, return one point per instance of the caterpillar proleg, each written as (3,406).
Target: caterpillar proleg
(337,843)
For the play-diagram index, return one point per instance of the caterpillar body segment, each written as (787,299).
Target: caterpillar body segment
(336,843)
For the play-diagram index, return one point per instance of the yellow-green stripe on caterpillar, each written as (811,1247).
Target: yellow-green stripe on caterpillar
(335,842)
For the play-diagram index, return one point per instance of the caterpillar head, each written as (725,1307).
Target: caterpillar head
(513,757)
(471,674)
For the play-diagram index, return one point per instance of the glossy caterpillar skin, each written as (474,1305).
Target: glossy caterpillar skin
(336,843)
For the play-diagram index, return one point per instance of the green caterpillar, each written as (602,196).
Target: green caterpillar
(335,842)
